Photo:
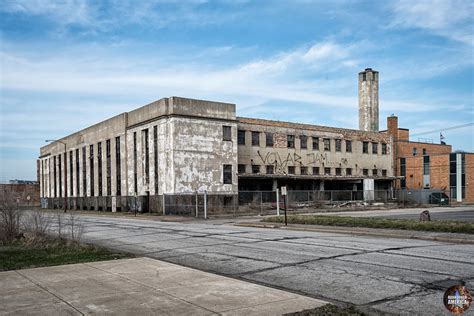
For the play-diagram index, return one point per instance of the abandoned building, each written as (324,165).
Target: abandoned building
(177,145)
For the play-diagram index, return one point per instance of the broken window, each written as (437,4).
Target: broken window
(414,151)
(338,145)
(348,146)
(303,142)
(304,170)
(327,171)
(384,172)
(227,174)
(291,169)
(269,139)
(338,171)
(255,138)
(365,147)
(270,169)
(375,172)
(241,168)
(348,171)
(384,149)
(118,165)
(255,168)
(375,148)
(327,144)
(315,143)
(365,172)
(241,137)
(290,141)
(226,133)
(316,170)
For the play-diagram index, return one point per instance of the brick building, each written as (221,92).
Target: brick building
(422,165)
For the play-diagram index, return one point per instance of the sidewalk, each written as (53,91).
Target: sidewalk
(138,286)
(378,232)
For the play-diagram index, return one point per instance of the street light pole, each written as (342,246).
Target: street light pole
(65,171)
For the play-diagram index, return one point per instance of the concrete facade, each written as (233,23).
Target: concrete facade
(369,100)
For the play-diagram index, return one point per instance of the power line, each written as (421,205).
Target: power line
(444,129)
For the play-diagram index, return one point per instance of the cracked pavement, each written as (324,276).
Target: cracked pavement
(398,276)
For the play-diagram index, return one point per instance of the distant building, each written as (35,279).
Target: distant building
(16,181)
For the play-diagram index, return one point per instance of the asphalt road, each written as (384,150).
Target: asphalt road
(399,276)
(465,216)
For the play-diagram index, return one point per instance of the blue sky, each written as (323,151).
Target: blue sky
(68,64)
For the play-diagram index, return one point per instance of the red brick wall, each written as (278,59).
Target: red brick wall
(21,192)
(469,178)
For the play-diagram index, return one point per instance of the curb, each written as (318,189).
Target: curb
(326,229)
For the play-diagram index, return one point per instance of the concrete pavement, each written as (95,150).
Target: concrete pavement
(399,276)
(139,286)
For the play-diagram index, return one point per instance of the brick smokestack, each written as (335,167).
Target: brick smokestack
(369,100)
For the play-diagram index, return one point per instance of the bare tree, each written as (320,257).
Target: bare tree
(75,226)
(10,216)
(37,222)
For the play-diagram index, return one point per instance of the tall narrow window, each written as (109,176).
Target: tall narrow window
(365,147)
(155,157)
(60,176)
(348,146)
(227,174)
(241,168)
(375,147)
(327,144)
(118,178)
(315,143)
(403,172)
(42,178)
(91,168)
(255,138)
(135,172)
(303,142)
(384,149)
(84,172)
(146,153)
(290,140)
(414,151)
(241,137)
(426,165)
(291,169)
(78,193)
(270,169)
(269,139)
(99,166)
(54,168)
(108,167)
(71,169)
(338,145)
(226,133)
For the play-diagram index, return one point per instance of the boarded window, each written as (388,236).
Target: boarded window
(270,169)
(304,170)
(226,133)
(304,142)
(241,168)
(255,168)
(269,139)
(348,146)
(241,137)
(290,141)
(227,174)
(375,148)
(327,144)
(255,138)
(365,147)
(315,143)
(291,170)
(338,145)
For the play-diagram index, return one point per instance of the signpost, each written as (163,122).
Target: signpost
(283,192)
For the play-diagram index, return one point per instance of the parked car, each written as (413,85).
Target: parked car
(439,198)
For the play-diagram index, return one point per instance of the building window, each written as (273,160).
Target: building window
(84,172)
(291,169)
(226,133)
(71,175)
(60,176)
(241,137)
(327,171)
(424,151)
(365,172)
(108,167)
(54,168)
(315,170)
(146,154)
(375,147)
(269,139)
(315,143)
(403,172)
(135,172)
(327,144)
(348,146)
(304,170)
(414,151)
(99,166)
(155,157)
(227,174)
(91,168)
(78,183)
(303,141)
(338,145)
(338,171)
(270,169)
(426,165)
(375,172)
(290,141)
(255,138)
(348,171)
(241,168)
(384,172)
(118,166)
(255,168)
(384,149)
(365,147)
